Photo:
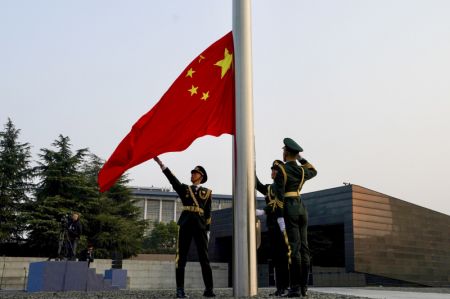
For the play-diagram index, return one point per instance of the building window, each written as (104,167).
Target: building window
(139,202)
(152,211)
(167,211)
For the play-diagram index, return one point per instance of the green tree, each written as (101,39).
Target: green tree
(16,177)
(117,226)
(62,188)
(68,182)
(162,239)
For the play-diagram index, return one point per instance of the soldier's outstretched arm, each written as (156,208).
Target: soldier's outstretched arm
(261,187)
(176,184)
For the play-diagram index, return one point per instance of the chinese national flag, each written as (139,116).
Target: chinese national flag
(200,102)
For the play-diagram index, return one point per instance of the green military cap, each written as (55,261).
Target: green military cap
(276,163)
(292,146)
(202,171)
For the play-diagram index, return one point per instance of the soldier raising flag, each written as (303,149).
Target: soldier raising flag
(194,223)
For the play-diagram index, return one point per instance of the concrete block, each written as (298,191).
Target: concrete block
(94,281)
(75,276)
(118,277)
(46,276)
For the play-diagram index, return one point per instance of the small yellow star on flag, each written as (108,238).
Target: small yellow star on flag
(193,90)
(225,63)
(205,95)
(190,72)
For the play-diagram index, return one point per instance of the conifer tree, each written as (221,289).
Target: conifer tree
(62,189)
(68,182)
(117,227)
(16,177)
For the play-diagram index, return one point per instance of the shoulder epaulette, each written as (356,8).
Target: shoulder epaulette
(204,193)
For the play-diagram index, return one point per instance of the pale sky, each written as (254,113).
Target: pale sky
(362,86)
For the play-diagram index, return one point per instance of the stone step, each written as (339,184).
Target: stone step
(94,281)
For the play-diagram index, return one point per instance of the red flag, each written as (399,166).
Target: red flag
(200,102)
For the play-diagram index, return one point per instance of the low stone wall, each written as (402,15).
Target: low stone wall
(161,275)
(153,257)
(146,274)
(141,274)
(14,272)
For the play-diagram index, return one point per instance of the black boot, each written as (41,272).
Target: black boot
(304,291)
(180,293)
(279,293)
(293,293)
(209,293)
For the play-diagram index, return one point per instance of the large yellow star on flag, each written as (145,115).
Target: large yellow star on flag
(225,63)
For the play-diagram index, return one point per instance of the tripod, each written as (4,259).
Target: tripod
(65,248)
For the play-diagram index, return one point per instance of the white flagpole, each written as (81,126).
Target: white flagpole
(244,235)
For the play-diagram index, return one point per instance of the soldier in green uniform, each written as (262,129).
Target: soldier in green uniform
(194,223)
(276,229)
(296,216)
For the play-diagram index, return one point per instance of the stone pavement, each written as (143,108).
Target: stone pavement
(147,294)
(390,293)
(314,293)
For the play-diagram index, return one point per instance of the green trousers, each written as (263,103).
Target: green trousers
(296,219)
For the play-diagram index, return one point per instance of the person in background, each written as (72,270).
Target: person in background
(74,230)
(87,255)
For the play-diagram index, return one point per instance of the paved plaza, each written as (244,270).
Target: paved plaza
(147,294)
(315,293)
(389,293)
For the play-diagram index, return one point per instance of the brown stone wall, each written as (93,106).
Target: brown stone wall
(396,239)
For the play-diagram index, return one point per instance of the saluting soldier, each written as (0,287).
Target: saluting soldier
(194,223)
(276,229)
(296,215)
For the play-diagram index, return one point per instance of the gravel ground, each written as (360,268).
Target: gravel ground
(221,293)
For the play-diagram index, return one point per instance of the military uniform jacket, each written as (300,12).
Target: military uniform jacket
(296,176)
(196,202)
(274,206)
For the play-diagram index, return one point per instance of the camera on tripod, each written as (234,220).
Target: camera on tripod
(65,221)
(70,231)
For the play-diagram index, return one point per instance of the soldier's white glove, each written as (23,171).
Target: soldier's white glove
(207,234)
(260,212)
(281,223)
